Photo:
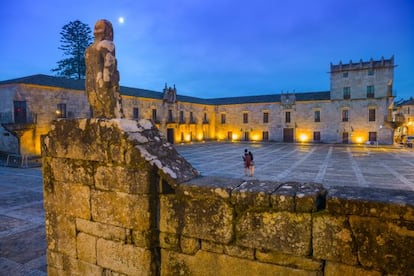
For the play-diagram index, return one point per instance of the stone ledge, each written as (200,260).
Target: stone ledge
(381,203)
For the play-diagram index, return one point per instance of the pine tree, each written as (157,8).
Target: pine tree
(75,38)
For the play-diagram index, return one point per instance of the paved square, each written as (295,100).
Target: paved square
(22,232)
(388,167)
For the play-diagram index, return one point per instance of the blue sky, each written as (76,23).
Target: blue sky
(218,48)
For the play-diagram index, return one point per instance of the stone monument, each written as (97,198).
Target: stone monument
(102,76)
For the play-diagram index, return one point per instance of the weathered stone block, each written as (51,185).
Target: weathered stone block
(125,210)
(72,171)
(170,241)
(278,231)
(208,263)
(122,179)
(124,258)
(384,245)
(253,194)
(239,251)
(382,203)
(61,234)
(86,248)
(337,269)
(54,259)
(101,230)
(189,245)
(72,266)
(76,196)
(333,239)
(203,218)
(212,247)
(208,186)
(289,260)
(299,197)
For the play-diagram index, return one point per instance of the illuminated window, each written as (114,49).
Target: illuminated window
(61,110)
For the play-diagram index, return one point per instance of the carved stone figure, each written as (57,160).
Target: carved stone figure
(102,76)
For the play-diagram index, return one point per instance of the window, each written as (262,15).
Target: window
(170,115)
(205,120)
(265,136)
(61,110)
(317,136)
(135,113)
(370,72)
(191,117)
(287,117)
(347,92)
(181,116)
(317,116)
(265,117)
(223,118)
(370,91)
(154,115)
(371,115)
(245,118)
(345,74)
(345,115)
(372,136)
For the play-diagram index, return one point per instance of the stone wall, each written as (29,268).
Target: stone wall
(121,201)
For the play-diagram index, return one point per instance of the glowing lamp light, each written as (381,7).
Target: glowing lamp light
(303,137)
(187,138)
(255,137)
(234,137)
(200,137)
(359,139)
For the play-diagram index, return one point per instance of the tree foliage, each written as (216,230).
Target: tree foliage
(75,38)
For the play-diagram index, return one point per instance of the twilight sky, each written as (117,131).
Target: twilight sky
(218,48)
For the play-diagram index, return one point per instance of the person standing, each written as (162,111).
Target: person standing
(251,167)
(247,162)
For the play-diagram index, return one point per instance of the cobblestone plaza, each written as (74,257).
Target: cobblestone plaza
(22,234)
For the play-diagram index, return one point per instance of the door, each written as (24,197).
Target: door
(20,112)
(170,135)
(345,138)
(288,135)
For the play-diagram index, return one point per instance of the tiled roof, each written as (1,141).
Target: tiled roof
(66,83)
(410,101)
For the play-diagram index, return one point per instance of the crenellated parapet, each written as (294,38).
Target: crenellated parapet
(361,65)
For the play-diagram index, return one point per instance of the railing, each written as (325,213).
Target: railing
(7,118)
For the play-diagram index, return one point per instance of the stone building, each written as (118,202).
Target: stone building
(357,109)
(404,118)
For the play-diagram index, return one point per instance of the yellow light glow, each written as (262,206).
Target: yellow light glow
(359,139)
(255,137)
(303,137)
(200,137)
(187,138)
(235,137)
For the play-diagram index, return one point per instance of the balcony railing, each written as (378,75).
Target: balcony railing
(7,118)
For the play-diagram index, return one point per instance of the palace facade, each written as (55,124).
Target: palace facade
(357,109)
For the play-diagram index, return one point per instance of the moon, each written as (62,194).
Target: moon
(121,20)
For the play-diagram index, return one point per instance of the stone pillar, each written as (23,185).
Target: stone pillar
(101,183)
